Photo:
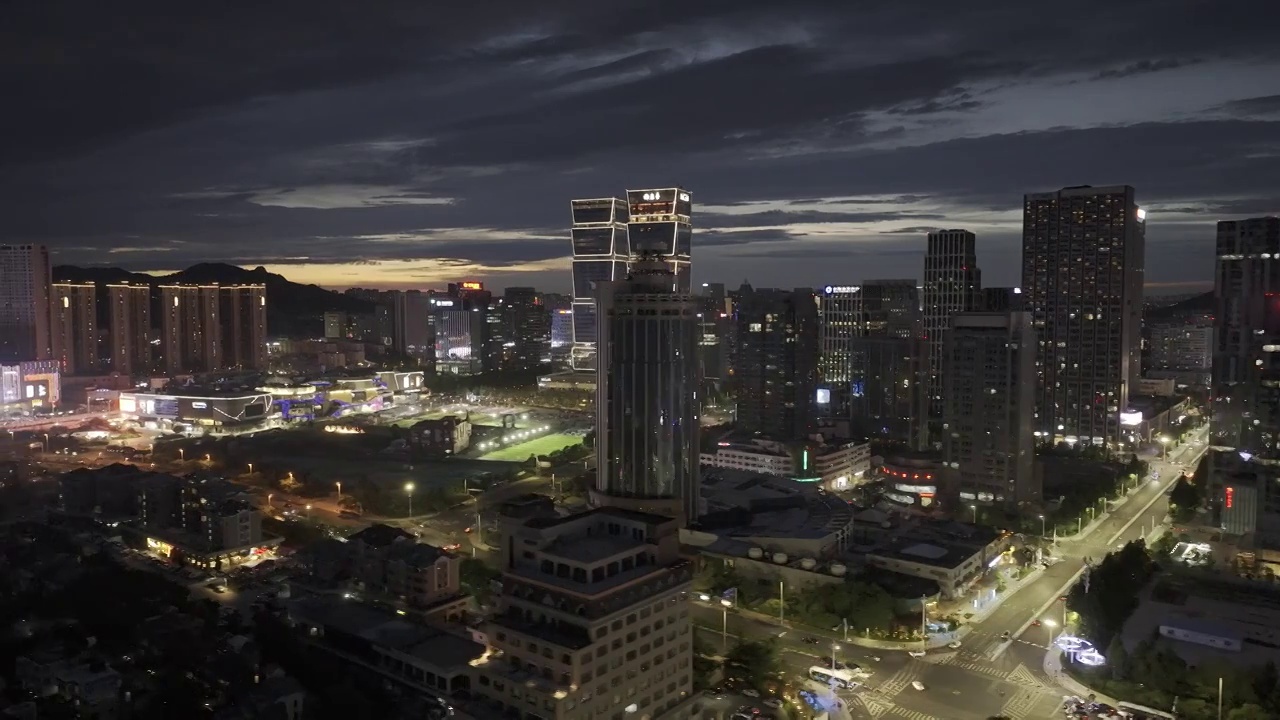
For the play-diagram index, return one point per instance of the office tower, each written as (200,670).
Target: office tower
(24,303)
(988,434)
(715,326)
(600,252)
(130,318)
(412,324)
(335,325)
(242,314)
(1246,361)
(777,362)
(889,384)
(1082,274)
(528,325)
(189,328)
(1001,299)
(591,621)
(459,333)
(660,222)
(561,332)
(647,384)
(840,323)
(892,308)
(73,326)
(951,285)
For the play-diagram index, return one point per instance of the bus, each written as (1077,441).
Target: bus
(827,676)
(1142,712)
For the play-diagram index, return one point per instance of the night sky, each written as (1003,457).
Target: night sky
(408,144)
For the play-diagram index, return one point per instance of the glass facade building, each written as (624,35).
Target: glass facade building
(661,223)
(600,252)
(647,404)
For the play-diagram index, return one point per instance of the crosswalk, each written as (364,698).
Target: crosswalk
(1022,704)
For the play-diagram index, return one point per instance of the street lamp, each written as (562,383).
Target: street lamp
(339,484)
(308,511)
(724,629)
(182,455)
(834,648)
(46,443)
(1050,625)
(250,468)
(974,508)
(408,488)
(1041,526)
(1164,448)
(269,496)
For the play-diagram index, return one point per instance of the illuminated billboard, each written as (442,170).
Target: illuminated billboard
(1130,419)
(471,285)
(823,396)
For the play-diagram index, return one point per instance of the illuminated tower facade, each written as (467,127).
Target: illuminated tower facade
(661,223)
(600,252)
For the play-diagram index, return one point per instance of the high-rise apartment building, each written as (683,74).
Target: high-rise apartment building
(989,390)
(413,330)
(951,285)
(892,308)
(204,328)
(242,313)
(841,323)
(1082,276)
(1182,351)
(716,323)
(776,368)
(73,326)
(600,252)
(647,383)
(24,303)
(528,326)
(660,222)
(592,620)
(189,324)
(1246,349)
(130,328)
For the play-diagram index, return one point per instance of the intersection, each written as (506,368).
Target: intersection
(986,676)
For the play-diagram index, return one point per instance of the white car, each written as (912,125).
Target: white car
(916,653)
(774,703)
(751,693)
(954,644)
(917,685)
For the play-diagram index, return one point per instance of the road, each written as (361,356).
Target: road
(986,676)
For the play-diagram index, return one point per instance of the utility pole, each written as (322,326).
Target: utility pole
(782,604)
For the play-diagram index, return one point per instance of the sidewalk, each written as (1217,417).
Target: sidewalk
(1053,668)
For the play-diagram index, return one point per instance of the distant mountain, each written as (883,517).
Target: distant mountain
(293,309)
(1201,304)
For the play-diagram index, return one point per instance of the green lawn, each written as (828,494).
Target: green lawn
(544,445)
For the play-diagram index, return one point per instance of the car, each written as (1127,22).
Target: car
(1006,635)
(916,653)
(810,640)
(1035,623)
(740,716)
(917,685)
(751,692)
(954,644)
(774,703)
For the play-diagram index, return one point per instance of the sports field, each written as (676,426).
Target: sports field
(544,445)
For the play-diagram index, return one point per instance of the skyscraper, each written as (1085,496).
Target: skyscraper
(24,303)
(73,321)
(951,285)
(528,322)
(776,369)
(130,318)
(647,384)
(660,222)
(412,327)
(716,326)
(1246,345)
(872,360)
(1082,275)
(989,403)
(600,252)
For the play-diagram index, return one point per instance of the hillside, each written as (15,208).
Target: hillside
(1199,305)
(293,309)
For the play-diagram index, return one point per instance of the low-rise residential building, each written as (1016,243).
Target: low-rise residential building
(389,561)
(954,555)
(442,437)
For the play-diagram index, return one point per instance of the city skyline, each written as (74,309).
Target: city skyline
(405,156)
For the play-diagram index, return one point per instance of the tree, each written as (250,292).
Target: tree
(1265,681)
(753,662)
(1118,659)
(477,579)
(1185,498)
(1249,711)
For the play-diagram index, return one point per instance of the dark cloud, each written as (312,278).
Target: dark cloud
(320,132)
(915,230)
(1142,67)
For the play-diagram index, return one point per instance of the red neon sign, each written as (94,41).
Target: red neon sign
(1231,496)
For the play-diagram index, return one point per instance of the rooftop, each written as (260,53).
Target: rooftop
(621,514)
(379,535)
(430,645)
